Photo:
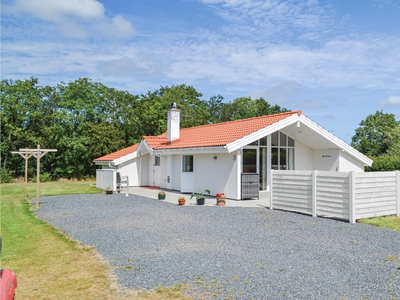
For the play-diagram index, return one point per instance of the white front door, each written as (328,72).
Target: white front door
(156,176)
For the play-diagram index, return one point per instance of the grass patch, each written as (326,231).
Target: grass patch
(48,264)
(392,222)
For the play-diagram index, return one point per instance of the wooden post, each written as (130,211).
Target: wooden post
(352,197)
(38,155)
(26,176)
(314,193)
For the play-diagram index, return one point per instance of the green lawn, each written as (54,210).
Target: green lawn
(392,222)
(48,264)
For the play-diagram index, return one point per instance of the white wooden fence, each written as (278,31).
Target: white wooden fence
(343,195)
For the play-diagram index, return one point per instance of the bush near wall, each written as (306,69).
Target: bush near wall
(384,163)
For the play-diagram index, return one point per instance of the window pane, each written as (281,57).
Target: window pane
(290,159)
(290,142)
(249,160)
(157,161)
(274,159)
(187,163)
(274,139)
(283,139)
(254,143)
(282,159)
(263,141)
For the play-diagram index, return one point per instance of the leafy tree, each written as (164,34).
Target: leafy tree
(393,142)
(245,107)
(372,135)
(21,114)
(215,107)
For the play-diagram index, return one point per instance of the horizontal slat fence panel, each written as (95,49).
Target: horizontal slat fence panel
(293,191)
(335,194)
(376,194)
(332,190)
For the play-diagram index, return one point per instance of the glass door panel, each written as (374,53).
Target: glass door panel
(249,160)
(263,168)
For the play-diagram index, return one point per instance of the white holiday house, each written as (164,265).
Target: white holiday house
(235,157)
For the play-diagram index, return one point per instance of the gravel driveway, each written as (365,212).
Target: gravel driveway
(244,253)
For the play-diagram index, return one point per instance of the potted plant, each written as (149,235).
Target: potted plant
(221,200)
(181,200)
(161,195)
(108,190)
(200,196)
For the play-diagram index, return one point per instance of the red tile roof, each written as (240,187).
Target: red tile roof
(118,154)
(219,134)
(212,135)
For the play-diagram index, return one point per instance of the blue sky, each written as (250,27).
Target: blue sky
(338,61)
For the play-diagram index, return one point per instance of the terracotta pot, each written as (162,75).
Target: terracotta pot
(181,202)
(221,201)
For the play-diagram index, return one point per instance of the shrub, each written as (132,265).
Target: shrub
(384,163)
(5,176)
(43,177)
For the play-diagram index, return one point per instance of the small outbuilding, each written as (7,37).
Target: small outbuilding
(235,158)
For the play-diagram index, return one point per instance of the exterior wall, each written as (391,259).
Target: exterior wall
(303,159)
(144,165)
(347,163)
(326,160)
(130,169)
(163,170)
(342,195)
(218,175)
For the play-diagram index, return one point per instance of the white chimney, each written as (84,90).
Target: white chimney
(173,123)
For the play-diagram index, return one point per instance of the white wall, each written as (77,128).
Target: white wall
(303,157)
(218,175)
(130,169)
(144,170)
(326,160)
(348,163)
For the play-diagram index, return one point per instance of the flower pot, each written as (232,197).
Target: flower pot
(221,201)
(200,201)
(161,195)
(181,201)
(109,192)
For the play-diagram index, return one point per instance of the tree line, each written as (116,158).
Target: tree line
(84,120)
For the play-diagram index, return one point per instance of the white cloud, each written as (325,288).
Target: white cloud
(392,100)
(54,10)
(73,18)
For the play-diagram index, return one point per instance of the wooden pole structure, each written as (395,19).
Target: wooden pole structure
(25,156)
(37,153)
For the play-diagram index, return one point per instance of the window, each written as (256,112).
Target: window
(157,161)
(282,152)
(187,163)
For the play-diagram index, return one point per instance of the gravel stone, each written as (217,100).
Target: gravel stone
(236,252)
